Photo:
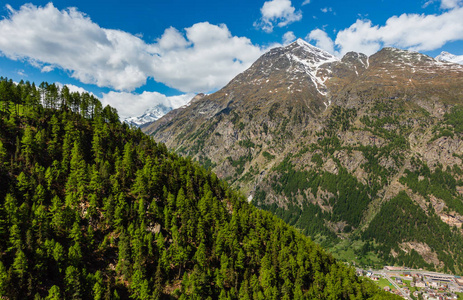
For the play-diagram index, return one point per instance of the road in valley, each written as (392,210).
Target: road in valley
(385,275)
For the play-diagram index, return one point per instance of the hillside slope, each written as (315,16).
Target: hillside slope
(327,143)
(91,209)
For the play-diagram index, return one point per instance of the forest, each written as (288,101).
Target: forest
(94,209)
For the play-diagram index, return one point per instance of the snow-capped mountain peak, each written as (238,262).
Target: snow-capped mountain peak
(150,115)
(317,55)
(449,57)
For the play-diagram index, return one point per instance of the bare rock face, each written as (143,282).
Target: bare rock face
(325,143)
(441,151)
(424,250)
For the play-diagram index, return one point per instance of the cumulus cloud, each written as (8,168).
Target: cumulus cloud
(322,40)
(205,59)
(288,38)
(277,13)
(199,59)
(140,102)
(305,2)
(408,31)
(70,40)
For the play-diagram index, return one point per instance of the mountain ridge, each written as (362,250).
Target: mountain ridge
(289,131)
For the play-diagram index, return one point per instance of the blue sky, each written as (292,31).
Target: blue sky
(135,54)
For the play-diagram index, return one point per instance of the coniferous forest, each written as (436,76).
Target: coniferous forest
(93,209)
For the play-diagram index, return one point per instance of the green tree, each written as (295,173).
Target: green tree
(54,293)
(20,264)
(28,145)
(2,153)
(98,287)
(73,283)
(3,280)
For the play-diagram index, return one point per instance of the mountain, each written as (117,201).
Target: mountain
(92,209)
(154,113)
(448,57)
(362,153)
(150,115)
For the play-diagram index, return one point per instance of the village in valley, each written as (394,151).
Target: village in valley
(416,284)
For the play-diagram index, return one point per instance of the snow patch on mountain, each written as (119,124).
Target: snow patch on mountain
(313,62)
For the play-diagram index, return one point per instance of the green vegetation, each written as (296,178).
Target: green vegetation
(309,218)
(360,252)
(344,187)
(268,155)
(246,144)
(400,220)
(206,162)
(338,204)
(455,118)
(317,159)
(91,209)
(383,282)
(438,183)
(240,163)
(340,119)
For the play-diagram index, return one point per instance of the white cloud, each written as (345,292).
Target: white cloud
(130,104)
(445,4)
(277,13)
(288,38)
(206,59)
(203,58)
(450,4)
(73,88)
(305,2)
(172,39)
(326,9)
(322,40)
(407,31)
(70,40)
(46,69)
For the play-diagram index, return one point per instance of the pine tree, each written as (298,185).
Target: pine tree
(3,280)
(54,293)
(98,287)
(20,264)
(73,283)
(28,145)
(2,154)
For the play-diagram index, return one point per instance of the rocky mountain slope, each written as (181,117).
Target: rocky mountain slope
(361,153)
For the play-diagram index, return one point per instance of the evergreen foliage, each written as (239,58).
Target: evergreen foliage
(93,209)
(401,221)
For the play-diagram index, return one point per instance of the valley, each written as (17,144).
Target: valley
(231,150)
